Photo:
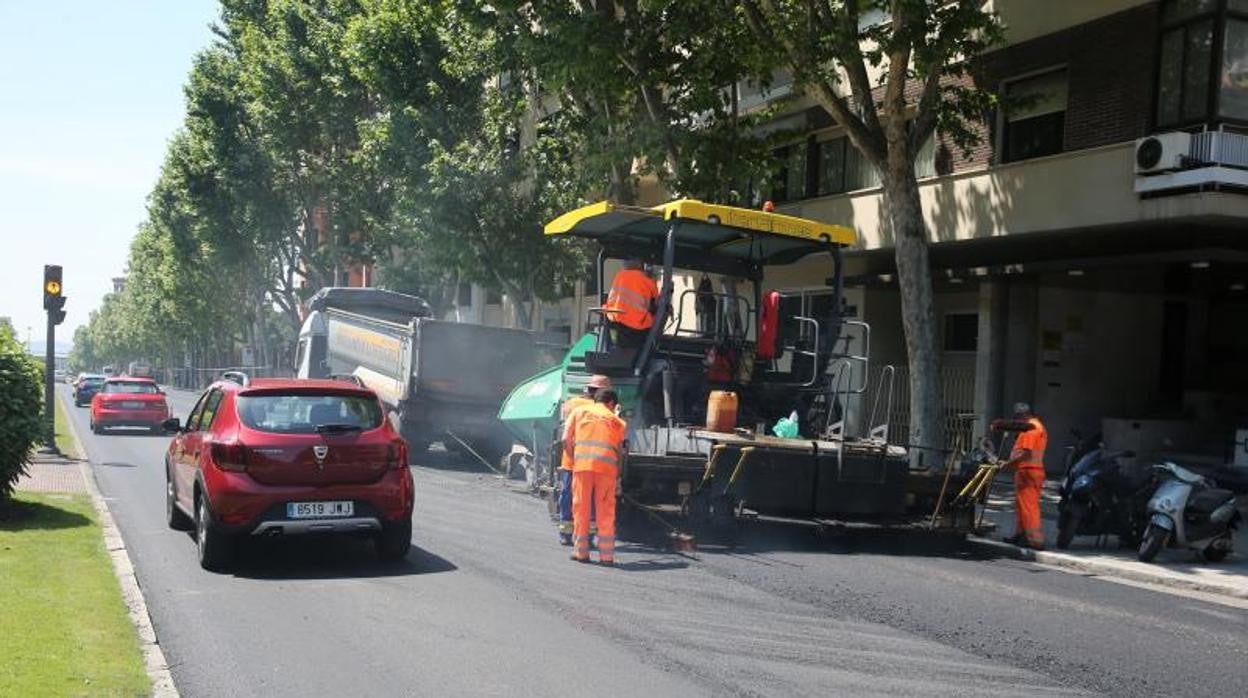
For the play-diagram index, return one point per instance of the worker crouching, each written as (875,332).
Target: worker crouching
(596,442)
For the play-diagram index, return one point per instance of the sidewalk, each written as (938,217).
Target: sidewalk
(1183,569)
(52,475)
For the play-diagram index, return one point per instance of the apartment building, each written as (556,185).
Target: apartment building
(1090,254)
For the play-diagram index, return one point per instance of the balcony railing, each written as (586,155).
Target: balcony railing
(1220,148)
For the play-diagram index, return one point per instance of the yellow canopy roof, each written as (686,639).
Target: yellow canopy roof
(723,231)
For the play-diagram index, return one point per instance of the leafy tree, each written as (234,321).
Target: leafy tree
(21,410)
(311,115)
(921,55)
(649,86)
(473,177)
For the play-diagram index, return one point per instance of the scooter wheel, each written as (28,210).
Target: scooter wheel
(1154,539)
(1213,554)
(1067,524)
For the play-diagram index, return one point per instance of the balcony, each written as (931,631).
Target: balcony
(1073,191)
(1211,160)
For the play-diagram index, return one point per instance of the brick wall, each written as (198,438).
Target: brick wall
(1110,64)
(1110,67)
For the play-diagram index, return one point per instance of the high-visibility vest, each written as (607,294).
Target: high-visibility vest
(1036,440)
(597,441)
(629,301)
(566,411)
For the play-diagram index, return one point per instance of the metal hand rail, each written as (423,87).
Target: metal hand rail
(750,313)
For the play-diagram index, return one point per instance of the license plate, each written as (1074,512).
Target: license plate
(318,510)
(132,405)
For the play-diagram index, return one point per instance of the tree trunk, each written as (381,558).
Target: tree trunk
(918,314)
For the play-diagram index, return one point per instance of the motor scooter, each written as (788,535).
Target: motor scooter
(1102,496)
(1189,511)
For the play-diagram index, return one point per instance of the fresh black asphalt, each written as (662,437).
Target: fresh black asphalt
(489,604)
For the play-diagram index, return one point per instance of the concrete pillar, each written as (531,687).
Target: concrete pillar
(990,352)
(1022,341)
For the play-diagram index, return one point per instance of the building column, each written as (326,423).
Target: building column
(1022,342)
(990,352)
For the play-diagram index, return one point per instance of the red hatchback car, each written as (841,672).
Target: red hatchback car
(282,457)
(128,402)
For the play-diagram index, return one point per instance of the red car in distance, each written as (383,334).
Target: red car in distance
(281,457)
(128,402)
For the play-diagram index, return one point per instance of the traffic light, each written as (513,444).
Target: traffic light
(53,293)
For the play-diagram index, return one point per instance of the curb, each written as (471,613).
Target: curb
(154,662)
(1106,569)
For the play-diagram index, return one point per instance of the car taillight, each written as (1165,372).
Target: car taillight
(397,456)
(230,455)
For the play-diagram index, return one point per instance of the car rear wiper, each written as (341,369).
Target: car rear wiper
(336,428)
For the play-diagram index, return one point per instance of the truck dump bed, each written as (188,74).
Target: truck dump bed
(463,363)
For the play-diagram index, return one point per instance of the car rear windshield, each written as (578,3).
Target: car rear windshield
(92,381)
(308,413)
(127,387)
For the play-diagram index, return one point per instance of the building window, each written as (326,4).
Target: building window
(841,168)
(832,166)
(464,296)
(859,172)
(1185,61)
(790,181)
(925,159)
(961,332)
(1233,80)
(1035,116)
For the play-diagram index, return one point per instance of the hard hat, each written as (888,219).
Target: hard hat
(599,382)
(1022,408)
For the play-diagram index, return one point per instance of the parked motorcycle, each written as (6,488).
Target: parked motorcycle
(1100,497)
(1189,511)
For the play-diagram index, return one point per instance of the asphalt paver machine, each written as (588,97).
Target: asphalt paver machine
(733,336)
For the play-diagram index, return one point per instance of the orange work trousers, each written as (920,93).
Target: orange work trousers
(1028,486)
(593,492)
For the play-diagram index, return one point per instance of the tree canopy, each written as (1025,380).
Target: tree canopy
(427,140)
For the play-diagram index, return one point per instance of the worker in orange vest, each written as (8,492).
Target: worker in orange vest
(1027,461)
(631,305)
(597,446)
(566,413)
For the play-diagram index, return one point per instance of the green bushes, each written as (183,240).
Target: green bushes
(21,404)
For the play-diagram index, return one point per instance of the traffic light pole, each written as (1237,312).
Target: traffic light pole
(49,391)
(53,301)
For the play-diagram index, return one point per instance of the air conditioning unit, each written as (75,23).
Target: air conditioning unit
(1162,152)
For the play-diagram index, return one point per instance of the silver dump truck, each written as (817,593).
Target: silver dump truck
(444,380)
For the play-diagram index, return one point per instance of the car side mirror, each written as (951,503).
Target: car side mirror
(172,425)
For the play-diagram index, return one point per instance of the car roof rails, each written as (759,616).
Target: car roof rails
(347,378)
(236,377)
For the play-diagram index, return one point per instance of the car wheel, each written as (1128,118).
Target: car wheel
(175,517)
(214,547)
(95,428)
(394,541)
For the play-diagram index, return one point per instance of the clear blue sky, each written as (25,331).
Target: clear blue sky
(90,92)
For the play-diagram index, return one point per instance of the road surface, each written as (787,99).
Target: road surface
(489,604)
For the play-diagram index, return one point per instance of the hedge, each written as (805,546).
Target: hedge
(21,405)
